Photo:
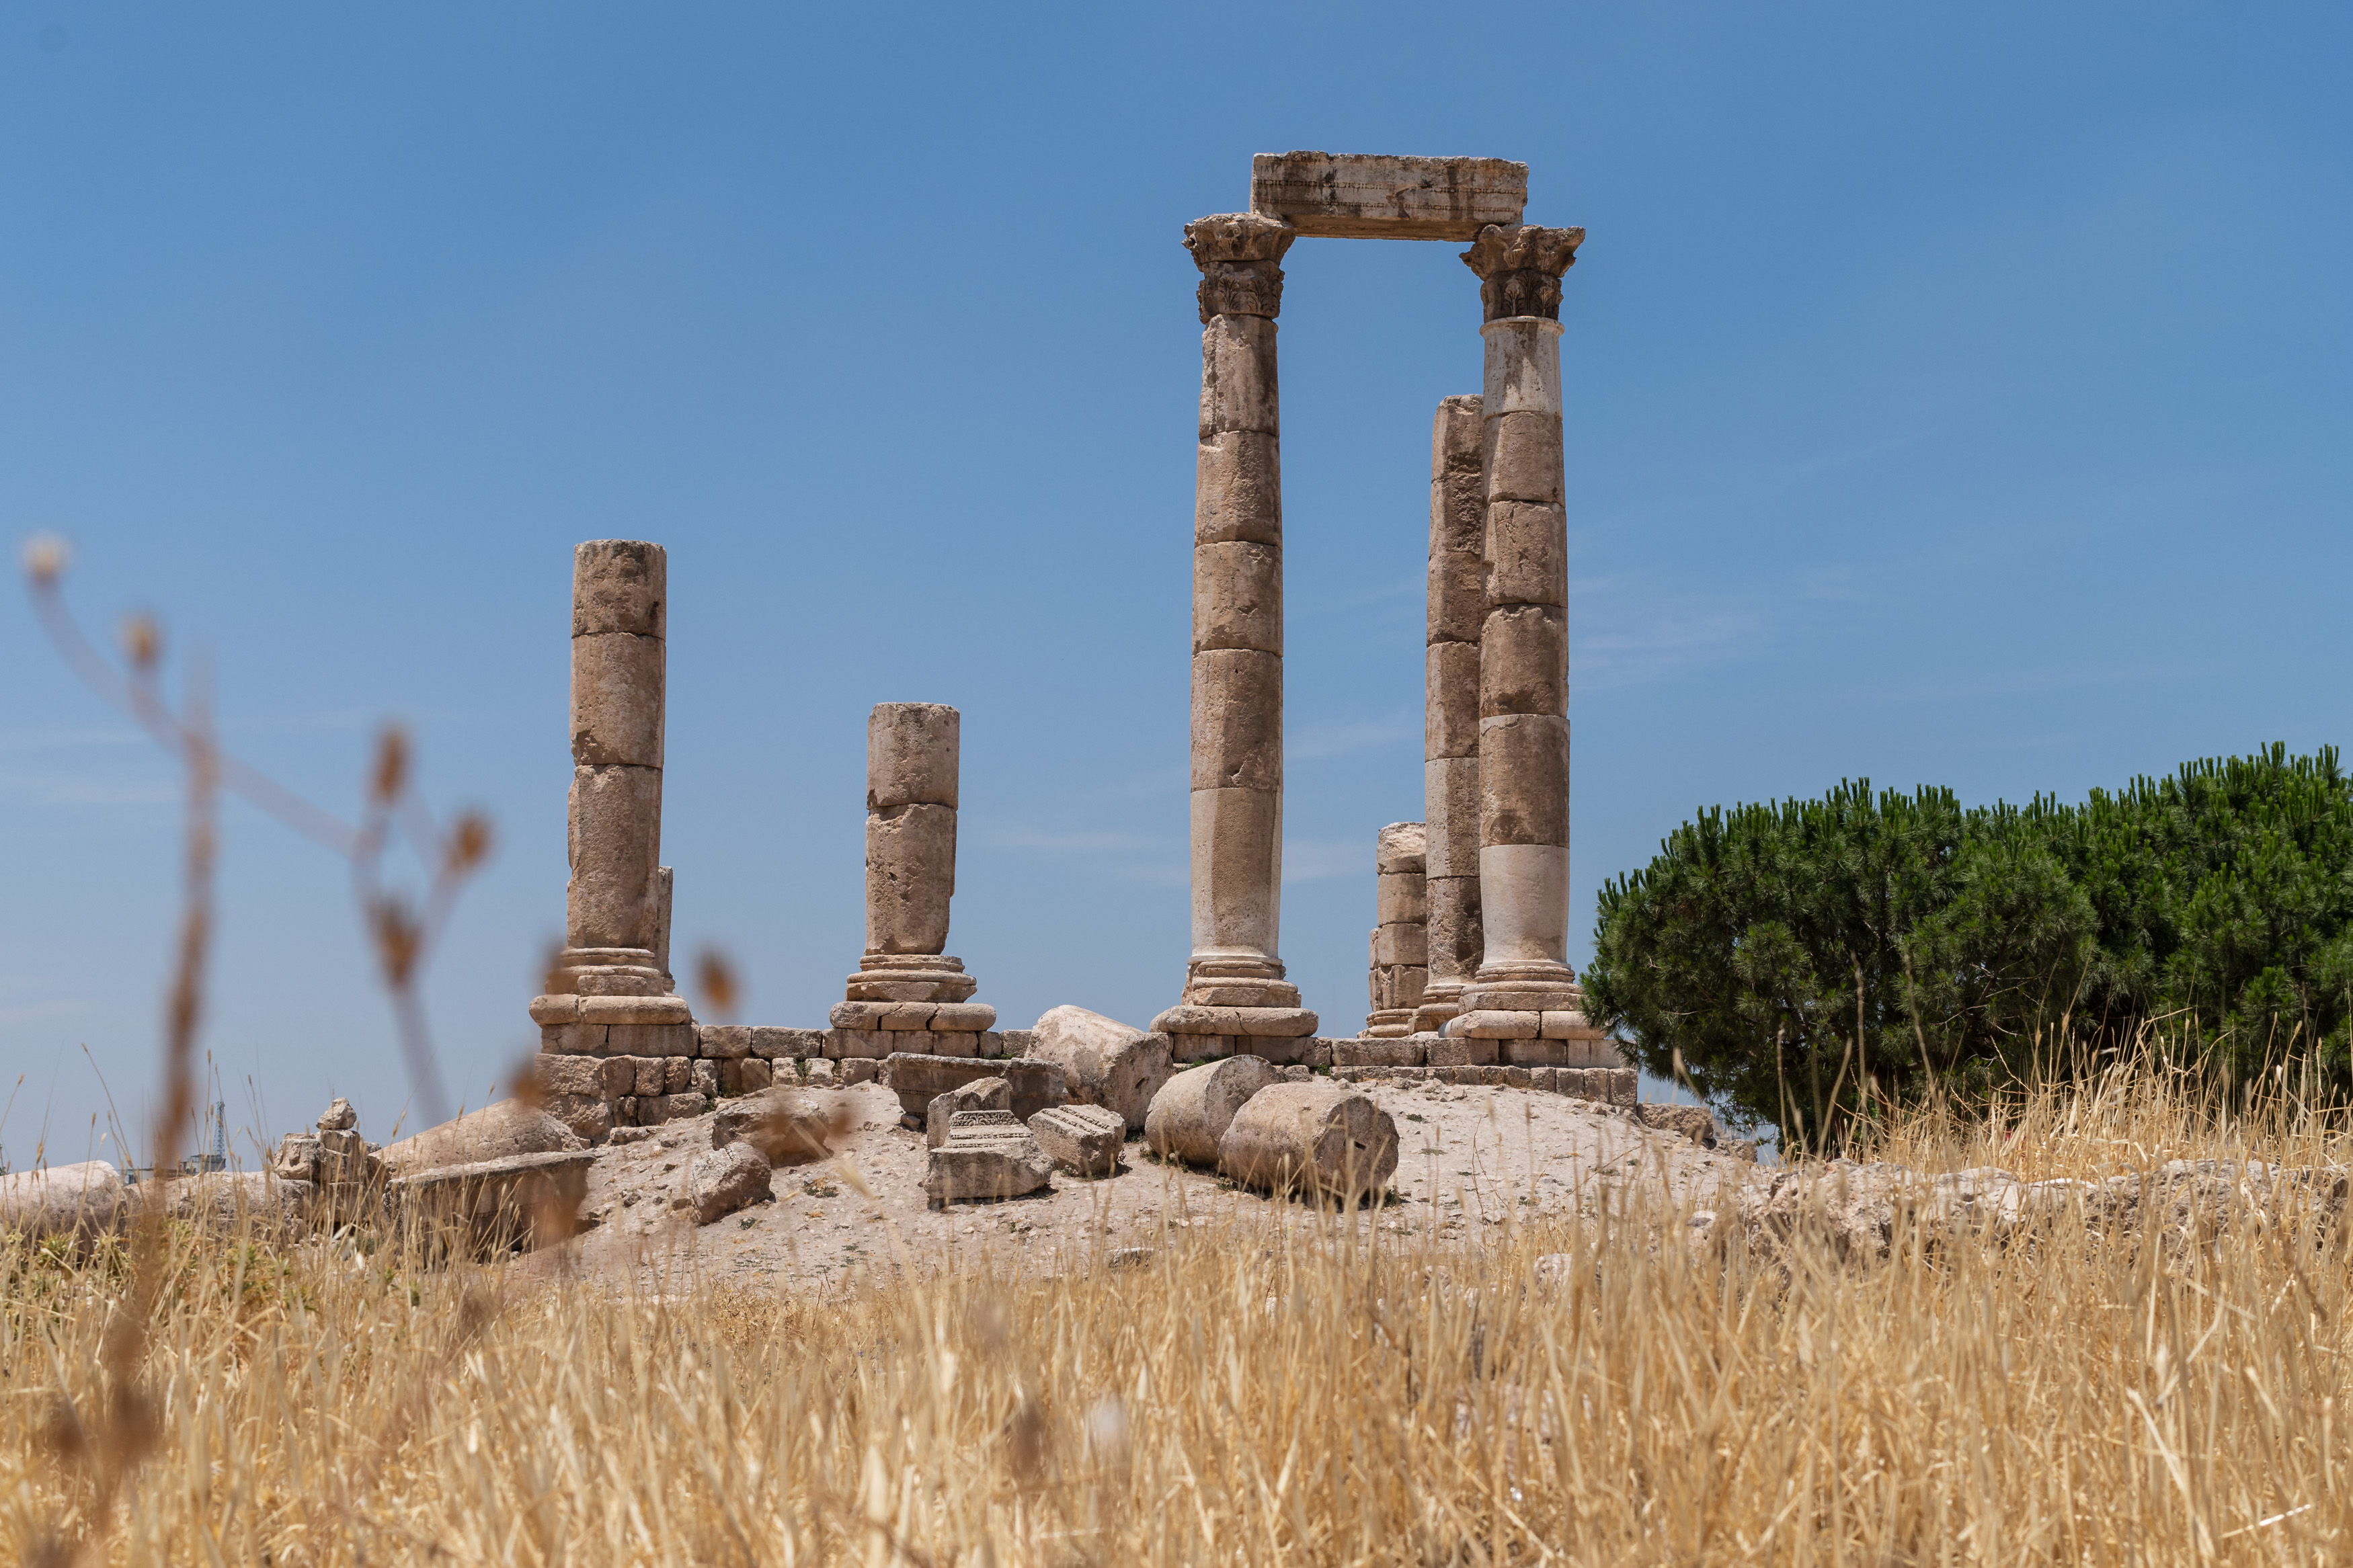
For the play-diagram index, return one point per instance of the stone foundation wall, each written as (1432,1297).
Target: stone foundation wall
(597,1077)
(1607,1085)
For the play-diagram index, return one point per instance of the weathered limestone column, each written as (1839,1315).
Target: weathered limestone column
(1400,960)
(1458,608)
(906,987)
(1524,995)
(1235,994)
(613,972)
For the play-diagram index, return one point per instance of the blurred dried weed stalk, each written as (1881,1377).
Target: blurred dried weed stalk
(104,1437)
(401,929)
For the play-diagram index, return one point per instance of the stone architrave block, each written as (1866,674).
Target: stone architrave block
(1455,1050)
(787,1045)
(1404,1053)
(1083,1139)
(987,1154)
(980,1094)
(721,1042)
(1321,1137)
(568,1074)
(1373,196)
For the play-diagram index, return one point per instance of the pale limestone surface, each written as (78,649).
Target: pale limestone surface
(1468,1156)
(914,755)
(989,1155)
(62,1199)
(724,1180)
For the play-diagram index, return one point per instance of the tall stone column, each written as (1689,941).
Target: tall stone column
(610,989)
(1400,955)
(1457,610)
(1523,993)
(1235,994)
(906,981)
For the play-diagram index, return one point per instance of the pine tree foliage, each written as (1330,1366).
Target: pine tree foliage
(1796,960)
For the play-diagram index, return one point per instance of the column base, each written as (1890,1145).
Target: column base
(1250,1024)
(1439,1004)
(1533,987)
(910,977)
(610,972)
(1236,980)
(1388,1024)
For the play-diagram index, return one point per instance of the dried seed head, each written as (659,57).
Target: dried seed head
(46,555)
(398,939)
(390,776)
(715,975)
(142,641)
(470,843)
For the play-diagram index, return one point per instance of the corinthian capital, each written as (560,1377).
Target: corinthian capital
(1239,254)
(1519,269)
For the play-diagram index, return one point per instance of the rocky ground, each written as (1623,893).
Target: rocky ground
(1468,1157)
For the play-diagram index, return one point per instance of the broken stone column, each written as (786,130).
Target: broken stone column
(1523,979)
(1234,985)
(1458,608)
(1400,960)
(906,985)
(1321,1138)
(613,968)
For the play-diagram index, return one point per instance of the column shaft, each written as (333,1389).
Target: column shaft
(1400,947)
(1457,612)
(914,757)
(613,905)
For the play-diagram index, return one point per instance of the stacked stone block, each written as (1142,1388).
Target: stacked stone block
(1400,948)
(908,995)
(1457,612)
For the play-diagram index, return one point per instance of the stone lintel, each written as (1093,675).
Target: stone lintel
(1372,196)
(1268,1023)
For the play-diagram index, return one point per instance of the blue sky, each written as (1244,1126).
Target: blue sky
(1956,395)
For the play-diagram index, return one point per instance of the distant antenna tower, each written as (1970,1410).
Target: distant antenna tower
(220,1135)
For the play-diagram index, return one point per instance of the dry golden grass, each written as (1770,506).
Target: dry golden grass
(1253,1396)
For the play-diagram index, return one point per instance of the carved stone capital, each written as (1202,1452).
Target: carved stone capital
(1519,269)
(1239,255)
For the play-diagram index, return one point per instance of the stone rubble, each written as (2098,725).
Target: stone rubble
(1320,1138)
(1103,1061)
(980,1094)
(1189,1116)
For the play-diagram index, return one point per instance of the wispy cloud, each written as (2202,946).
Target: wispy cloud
(1317,859)
(1072,841)
(1358,735)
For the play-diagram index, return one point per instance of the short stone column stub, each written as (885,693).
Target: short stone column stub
(1524,974)
(1400,969)
(913,759)
(1235,975)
